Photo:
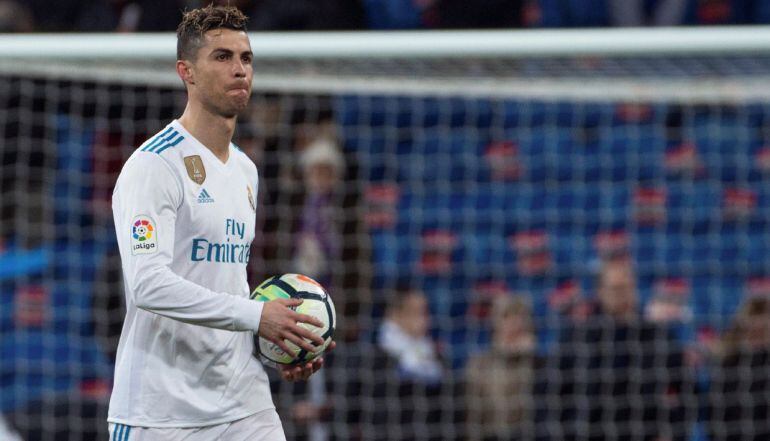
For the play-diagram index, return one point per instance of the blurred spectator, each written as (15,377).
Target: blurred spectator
(396,14)
(618,376)
(668,306)
(404,337)
(303,15)
(58,16)
(410,375)
(14,17)
(574,13)
(318,241)
(751,11)
(479,14)
(130,15)
(726,12)
(600,13)
(714,12)
(739,400)
(647,13)
(499,382)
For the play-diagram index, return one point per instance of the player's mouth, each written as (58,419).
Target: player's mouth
(238,91)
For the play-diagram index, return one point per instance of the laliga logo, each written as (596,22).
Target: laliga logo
(142,230)
(143,236)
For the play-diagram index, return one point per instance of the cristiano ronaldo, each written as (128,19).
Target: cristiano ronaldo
(184,208)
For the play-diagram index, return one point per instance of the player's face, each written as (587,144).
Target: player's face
(223,72)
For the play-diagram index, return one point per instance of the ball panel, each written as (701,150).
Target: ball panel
(303,283)
(271,292)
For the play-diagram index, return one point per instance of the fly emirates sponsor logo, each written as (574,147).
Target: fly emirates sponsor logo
(233,250)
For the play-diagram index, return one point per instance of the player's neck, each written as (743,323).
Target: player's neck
(213,131)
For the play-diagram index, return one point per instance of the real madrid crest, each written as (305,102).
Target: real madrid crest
(195,169)
(251,199)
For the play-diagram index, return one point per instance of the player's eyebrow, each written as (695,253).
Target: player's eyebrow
(222,50)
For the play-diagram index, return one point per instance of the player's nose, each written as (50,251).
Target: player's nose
(239,70)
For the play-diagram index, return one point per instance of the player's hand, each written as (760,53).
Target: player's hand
(303,372)
(279,323)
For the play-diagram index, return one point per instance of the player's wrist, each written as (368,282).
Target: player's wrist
(247,315)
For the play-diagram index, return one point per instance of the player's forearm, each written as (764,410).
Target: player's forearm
(162,292)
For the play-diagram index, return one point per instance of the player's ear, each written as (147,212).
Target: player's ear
(185,71)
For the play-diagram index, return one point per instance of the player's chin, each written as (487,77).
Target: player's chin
(236,102)
(234,109)
(239,105)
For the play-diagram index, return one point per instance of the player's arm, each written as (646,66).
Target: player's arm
(149,190)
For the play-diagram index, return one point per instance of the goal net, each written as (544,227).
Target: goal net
(528,235)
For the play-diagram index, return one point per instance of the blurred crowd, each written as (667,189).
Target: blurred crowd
(305,15)
(615,373)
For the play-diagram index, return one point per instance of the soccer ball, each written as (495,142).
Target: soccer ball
(316,302)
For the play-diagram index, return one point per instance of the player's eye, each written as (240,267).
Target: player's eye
(246,59)
(222,57)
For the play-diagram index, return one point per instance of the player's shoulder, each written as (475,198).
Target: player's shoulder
(165,146)
(156,154)
(164,143)
(243,159)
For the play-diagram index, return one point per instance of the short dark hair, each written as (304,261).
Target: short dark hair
(195,23)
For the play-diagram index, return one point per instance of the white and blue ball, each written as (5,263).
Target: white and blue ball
(316,302)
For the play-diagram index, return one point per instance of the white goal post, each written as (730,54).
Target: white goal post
(332,62)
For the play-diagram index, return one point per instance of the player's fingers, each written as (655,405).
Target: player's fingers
(294,374)
(286,370)
(282,344)
(332,345)
(315,338)
(297,374)
(295,338)
(307,371)
(309,319)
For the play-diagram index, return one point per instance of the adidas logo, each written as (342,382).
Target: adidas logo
(205,197)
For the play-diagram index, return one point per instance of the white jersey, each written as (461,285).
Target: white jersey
(184,222)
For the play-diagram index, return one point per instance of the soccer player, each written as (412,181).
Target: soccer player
(184,209)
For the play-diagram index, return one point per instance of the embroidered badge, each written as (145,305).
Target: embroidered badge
(195,169)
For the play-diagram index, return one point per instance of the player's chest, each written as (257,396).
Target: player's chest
(221,206)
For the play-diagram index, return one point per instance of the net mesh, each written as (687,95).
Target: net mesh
(495,188)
